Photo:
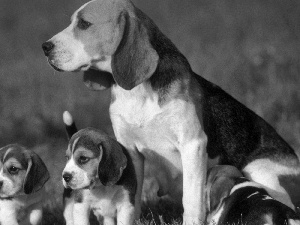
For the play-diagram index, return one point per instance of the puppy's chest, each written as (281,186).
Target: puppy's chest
(104,207)
(105,200)
(11,208)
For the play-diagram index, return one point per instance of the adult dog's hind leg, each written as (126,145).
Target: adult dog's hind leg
(271,175)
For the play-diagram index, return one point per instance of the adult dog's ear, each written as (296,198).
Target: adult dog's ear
(135,59)
(36,175)
(112,163)
(97,80)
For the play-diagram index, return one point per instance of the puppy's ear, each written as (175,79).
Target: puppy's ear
(135,59)
(36,175)
(97,80)
(220,189)
(220,181)
(112,163)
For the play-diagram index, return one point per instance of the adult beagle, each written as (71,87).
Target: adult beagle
(233,199)
(164,113)
(22,178)
(99,176)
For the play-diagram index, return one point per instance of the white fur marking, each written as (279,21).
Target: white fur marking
(255,193)
(79,176)
(67,118)
(266,172)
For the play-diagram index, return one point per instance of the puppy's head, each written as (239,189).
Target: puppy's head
(21,171)
(93,156)
(105,35)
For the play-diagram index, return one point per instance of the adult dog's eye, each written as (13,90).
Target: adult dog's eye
(83,25)
(13,170)
(83,160)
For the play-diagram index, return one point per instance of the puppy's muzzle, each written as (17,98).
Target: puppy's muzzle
(67,177)
(47,47)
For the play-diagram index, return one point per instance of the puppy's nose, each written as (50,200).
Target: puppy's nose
(67,177)
(1,184)
(47,47)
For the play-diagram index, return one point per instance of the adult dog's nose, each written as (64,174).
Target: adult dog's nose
(47,47)
(67,177)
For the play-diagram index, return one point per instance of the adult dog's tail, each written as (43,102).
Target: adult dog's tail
(69,123)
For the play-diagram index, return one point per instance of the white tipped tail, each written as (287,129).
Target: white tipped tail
(70,124)
(67,117)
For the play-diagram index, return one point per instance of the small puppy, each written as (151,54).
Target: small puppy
(233,199)
(22,178)
(99,176)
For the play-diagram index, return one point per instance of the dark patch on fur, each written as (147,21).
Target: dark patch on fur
(172,65)
(291,184)
(134,54)
(78,197)
(236,133)
(128,179)
(239,207)
(71,129)
(67,193)
(86,141)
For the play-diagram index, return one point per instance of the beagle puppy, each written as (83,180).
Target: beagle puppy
(22,178)
(99,176)
(233,199)
(164,113)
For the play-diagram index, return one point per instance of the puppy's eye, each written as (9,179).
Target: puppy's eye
(13,170)
(83,25)
(67,158)
(83,160)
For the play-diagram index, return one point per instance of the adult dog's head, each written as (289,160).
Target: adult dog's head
(110,36)
(21,171)
(93,156)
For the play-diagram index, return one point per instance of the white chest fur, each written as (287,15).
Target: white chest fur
(24,209)
(157,131)
(105,201)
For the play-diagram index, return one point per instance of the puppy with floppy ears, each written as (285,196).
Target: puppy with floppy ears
(99,176)
(233,199)
(22,178)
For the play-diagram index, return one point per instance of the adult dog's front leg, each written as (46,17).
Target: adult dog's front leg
(194,167)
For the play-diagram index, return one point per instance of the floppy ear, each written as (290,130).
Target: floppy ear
(135,59)
(112,163)
(36,175)
(219,190)
(97,80)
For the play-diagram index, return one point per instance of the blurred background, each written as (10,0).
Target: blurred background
(251,48)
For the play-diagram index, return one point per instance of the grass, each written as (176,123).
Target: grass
(248,47)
